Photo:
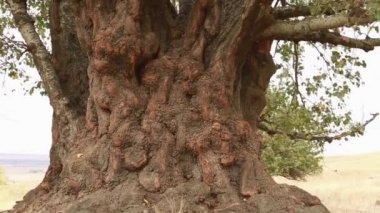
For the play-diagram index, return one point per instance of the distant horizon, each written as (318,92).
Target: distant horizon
(2,154)
(23,160)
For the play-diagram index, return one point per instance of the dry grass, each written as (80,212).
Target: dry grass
(11,192)
(3,180)
(349,184)
(16,185)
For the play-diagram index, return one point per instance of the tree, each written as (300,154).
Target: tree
(155,107)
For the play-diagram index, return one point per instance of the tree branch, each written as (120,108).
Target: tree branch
(7,43)
(367,44)
(297,91)
(283,13)
(41,56)
(286,30)
(320,138)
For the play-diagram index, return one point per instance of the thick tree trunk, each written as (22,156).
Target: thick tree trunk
(166,119)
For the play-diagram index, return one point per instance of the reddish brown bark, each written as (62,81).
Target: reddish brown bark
(168,113)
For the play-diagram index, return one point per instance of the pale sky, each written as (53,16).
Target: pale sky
(25,121)
(363,101)
(25,124)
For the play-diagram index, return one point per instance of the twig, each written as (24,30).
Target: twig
(316,137)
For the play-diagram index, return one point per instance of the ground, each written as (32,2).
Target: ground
(348,184)
(19,181)
(353,180)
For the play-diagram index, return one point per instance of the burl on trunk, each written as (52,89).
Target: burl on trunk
(162,110)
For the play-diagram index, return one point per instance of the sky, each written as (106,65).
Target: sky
(362,102)
(25,121)
(25,124)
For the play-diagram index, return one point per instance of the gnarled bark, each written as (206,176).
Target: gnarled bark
(166,116)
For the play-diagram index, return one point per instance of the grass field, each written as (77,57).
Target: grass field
(3,179)
(16,183)
(348,184)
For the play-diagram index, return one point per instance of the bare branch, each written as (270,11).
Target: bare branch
(296,75)
(367,44)
(283,13)
(41,56)
(319,138)
(291,12)
(8,42)
(286,30)
(321,55)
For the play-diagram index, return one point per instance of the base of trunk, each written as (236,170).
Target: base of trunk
(186,197)
(187,148)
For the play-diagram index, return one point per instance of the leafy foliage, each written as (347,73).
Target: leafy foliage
(291,159)
(307,106)
(15,61)
(321,91)
(374,6)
